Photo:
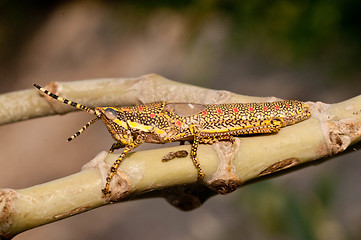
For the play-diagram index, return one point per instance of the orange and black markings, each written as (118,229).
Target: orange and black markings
(162,122)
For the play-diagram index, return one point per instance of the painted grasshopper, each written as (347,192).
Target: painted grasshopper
(162,122)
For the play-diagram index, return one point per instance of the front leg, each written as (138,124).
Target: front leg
(116,146)
(138,141)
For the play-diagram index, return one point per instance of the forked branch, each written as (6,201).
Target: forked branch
(330,130)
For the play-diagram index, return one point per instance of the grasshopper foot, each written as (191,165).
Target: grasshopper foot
(106,191)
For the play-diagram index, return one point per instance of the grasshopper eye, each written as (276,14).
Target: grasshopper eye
(111,114)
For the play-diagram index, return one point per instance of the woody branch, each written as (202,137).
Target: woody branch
(331,130)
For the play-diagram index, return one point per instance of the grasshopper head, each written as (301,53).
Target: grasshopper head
(115,122)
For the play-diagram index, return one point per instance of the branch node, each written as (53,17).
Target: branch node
(55,88)
(6,210)
(120,185)
(339,133)
(342,133)
(225,179)
(225,186)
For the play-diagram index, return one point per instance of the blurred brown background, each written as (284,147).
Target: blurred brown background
(306,50)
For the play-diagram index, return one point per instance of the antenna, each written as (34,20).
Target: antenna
(83,129)
(66,101)
(73,104)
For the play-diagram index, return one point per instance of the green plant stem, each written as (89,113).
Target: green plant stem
(330,130)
